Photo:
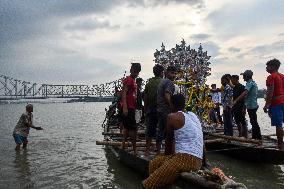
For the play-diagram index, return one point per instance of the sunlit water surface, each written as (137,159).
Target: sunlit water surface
(64,154)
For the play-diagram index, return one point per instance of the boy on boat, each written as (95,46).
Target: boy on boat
(216,97)
(166,89)
(275,98)
(250,95)
(150,104)
(129,95)
(227,102)
(21,130)
(184,147)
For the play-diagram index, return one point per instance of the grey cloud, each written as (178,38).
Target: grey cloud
(63,67)
(212,48)
(269,48)
(234,49)
(89,24)
(201,36)
(230,21)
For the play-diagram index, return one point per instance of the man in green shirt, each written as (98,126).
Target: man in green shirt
(150,105)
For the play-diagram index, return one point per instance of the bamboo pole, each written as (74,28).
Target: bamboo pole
(143,143)
(239,139)
(119,134)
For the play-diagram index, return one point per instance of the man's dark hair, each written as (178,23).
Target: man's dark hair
(136,67)
(213,85)
(171,69)
(139,80)
(225,77)
(235,77)
(178,101)
(158,70)
(228,76)
(274,63)
(210,96)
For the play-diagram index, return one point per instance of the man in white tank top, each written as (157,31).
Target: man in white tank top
(184,147)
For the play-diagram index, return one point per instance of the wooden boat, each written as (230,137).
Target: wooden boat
(203,179)
(265,151)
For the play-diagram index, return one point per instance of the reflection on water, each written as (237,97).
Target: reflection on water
(22,166)
(64,154)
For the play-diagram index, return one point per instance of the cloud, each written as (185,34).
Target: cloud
(234,49)
(237,18)
(89,24)
(269,48)
(200,37)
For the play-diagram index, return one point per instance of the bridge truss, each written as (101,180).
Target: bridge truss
(11,88)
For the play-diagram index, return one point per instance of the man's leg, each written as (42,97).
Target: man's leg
(125,135)
(279,134)
(151,124)
(219,115)
(18,141)
(18,147)
(170,169)
(133,137)
(25,144)
(162,122)
(256,134)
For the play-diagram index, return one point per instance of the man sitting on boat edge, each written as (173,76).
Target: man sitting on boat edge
(184,147)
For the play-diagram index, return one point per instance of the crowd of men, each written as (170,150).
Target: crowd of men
(165,119)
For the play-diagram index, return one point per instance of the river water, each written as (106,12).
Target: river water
(64,154)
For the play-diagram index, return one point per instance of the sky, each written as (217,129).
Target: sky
(94,41)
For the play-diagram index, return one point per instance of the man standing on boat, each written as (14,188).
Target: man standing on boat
(166,89)
(150,105)
(275,98)
(129,94)
(250,95)
(227,100)
(239,109)
(184,147)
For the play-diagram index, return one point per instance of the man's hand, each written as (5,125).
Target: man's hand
(38,128)
(125,111)
(266,108)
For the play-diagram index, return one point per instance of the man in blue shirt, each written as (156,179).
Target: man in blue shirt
(250,95)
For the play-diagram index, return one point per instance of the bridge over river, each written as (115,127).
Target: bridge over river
(11,88)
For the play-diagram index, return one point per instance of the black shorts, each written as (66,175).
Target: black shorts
(129,121)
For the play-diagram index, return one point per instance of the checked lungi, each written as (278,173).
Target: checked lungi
(164,170)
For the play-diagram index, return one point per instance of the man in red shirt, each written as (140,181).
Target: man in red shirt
(275,98)
(129,96)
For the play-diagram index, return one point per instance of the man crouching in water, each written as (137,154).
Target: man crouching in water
(184,147)
(22,128)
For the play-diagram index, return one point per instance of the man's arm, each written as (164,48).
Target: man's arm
(169,142)
(145,98)
(168,98)
(243,95)
(268,99)
(124,103)
(29,123)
